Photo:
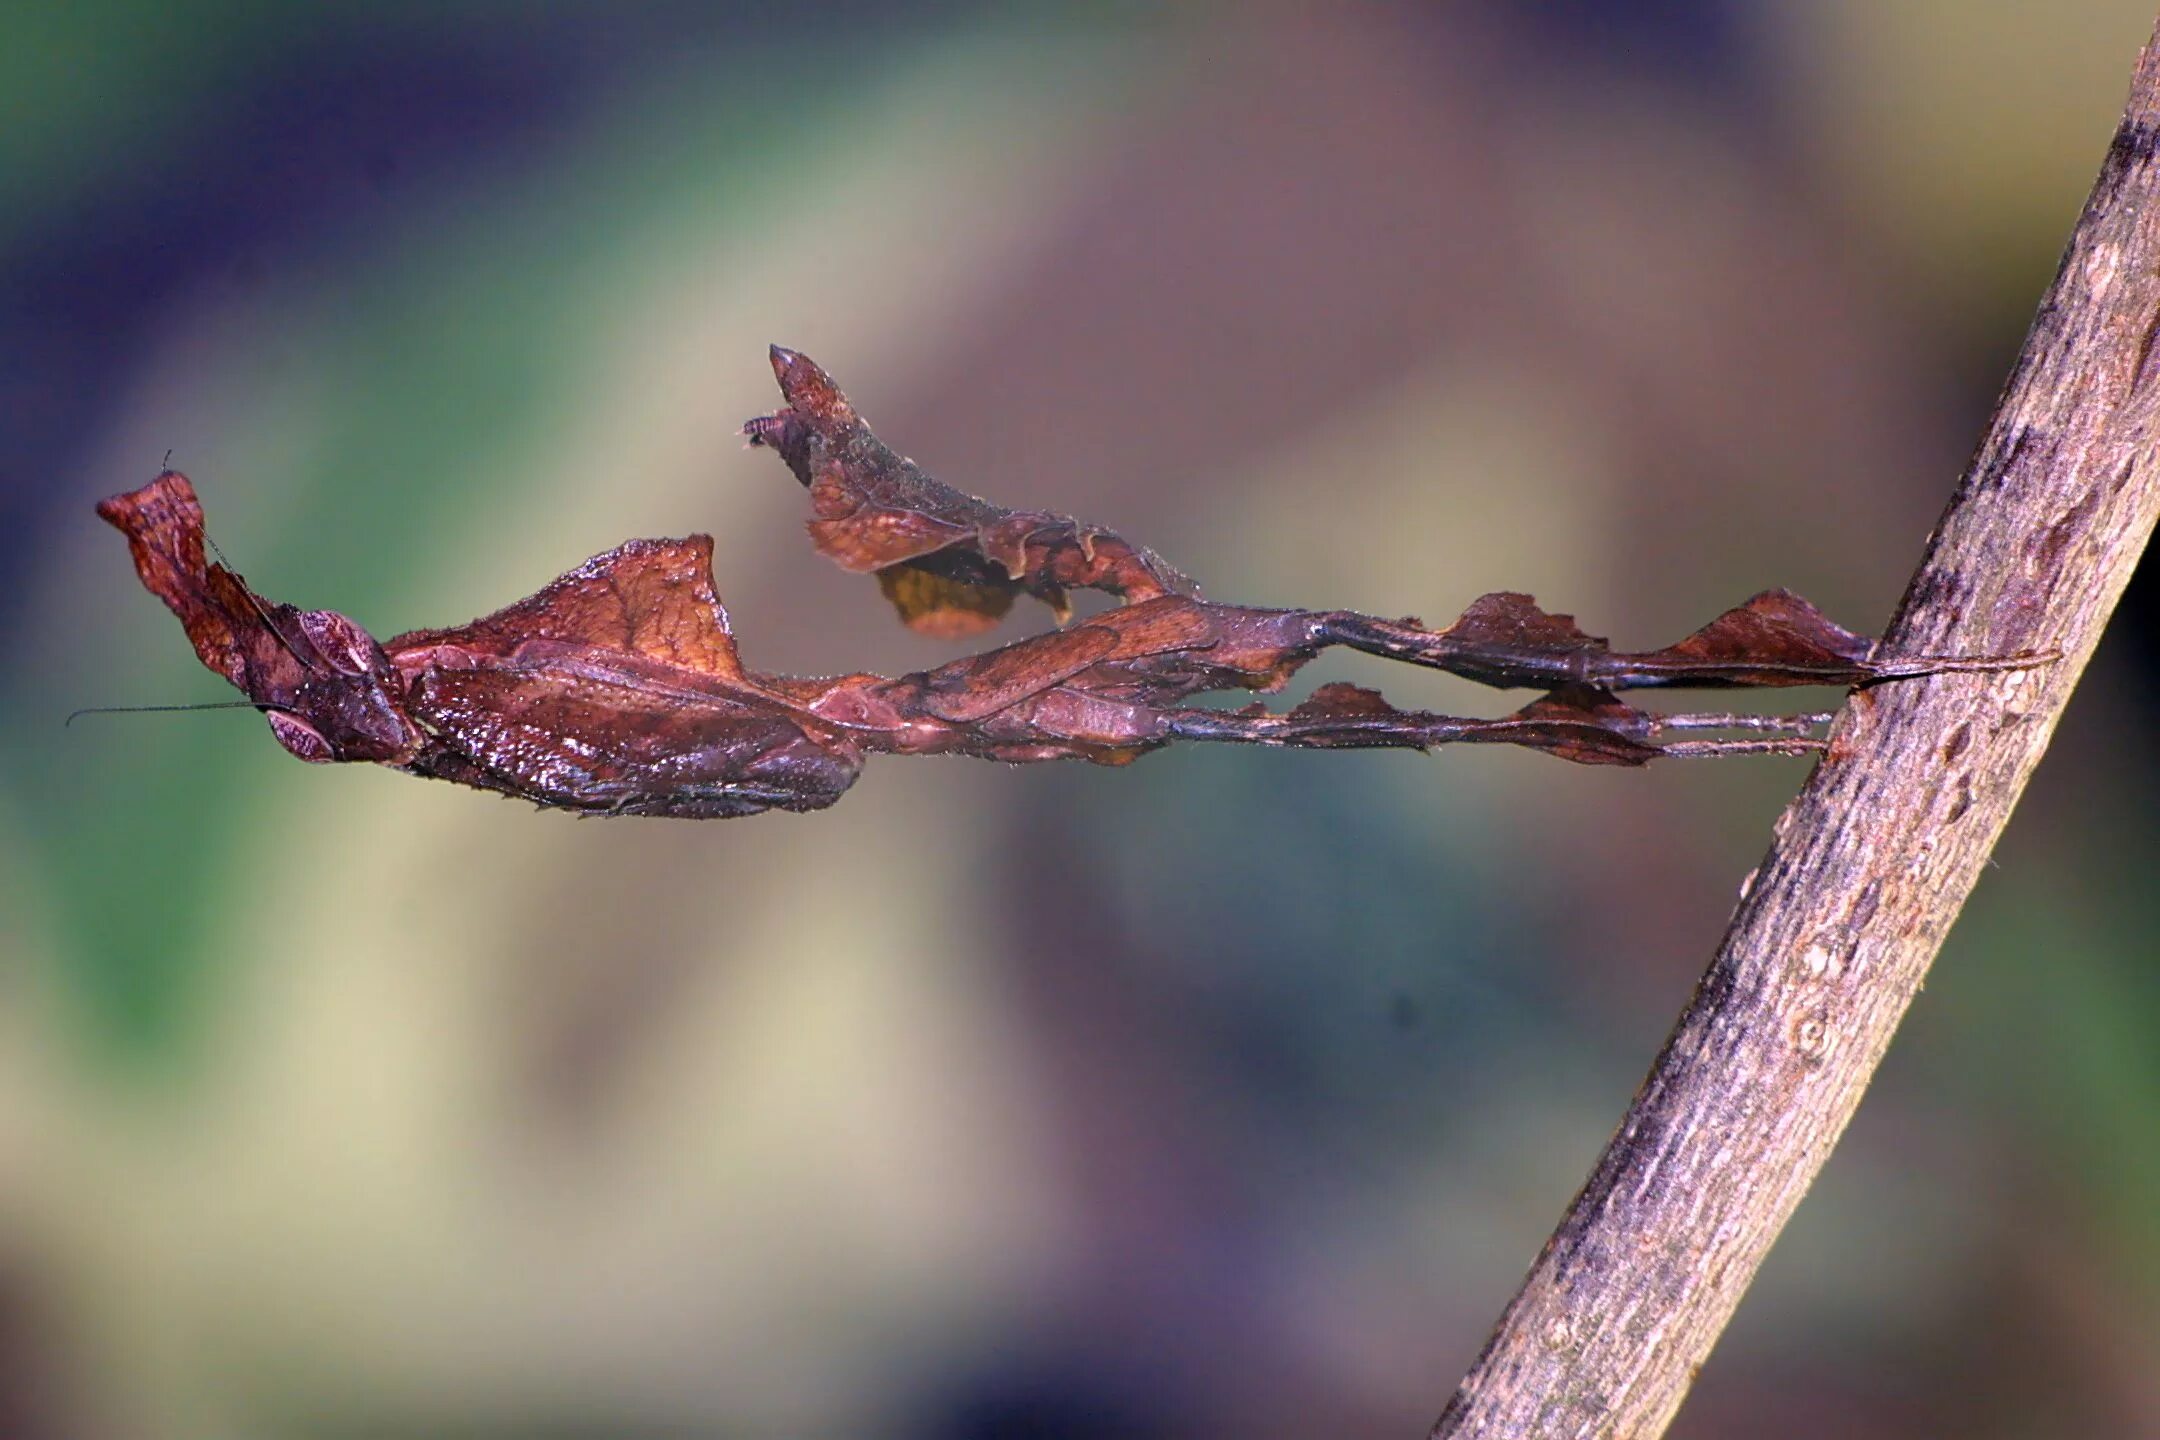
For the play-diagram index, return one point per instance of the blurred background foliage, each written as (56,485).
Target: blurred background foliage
(1225,1095)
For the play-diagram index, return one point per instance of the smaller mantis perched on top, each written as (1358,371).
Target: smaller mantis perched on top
(617,688)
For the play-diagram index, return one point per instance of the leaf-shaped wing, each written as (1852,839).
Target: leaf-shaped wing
(966,691)
(650,598)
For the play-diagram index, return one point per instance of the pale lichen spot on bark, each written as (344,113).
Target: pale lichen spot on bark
(2102,264)
(1813,1037)
(2140,367)
(1862,909)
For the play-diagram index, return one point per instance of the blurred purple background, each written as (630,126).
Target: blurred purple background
(1230,1094)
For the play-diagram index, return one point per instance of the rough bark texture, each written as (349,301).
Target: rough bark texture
(1836,929)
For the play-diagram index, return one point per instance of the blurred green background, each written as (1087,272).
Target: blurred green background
(1230,1094)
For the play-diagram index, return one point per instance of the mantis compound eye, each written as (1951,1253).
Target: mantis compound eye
(301,738)
(768,430)
(340,642)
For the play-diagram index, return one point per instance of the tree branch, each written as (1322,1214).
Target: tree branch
(1836,929)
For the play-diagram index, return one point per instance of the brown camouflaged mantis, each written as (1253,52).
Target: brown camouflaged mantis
(617,689)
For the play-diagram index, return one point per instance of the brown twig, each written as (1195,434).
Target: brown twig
(1836,929)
